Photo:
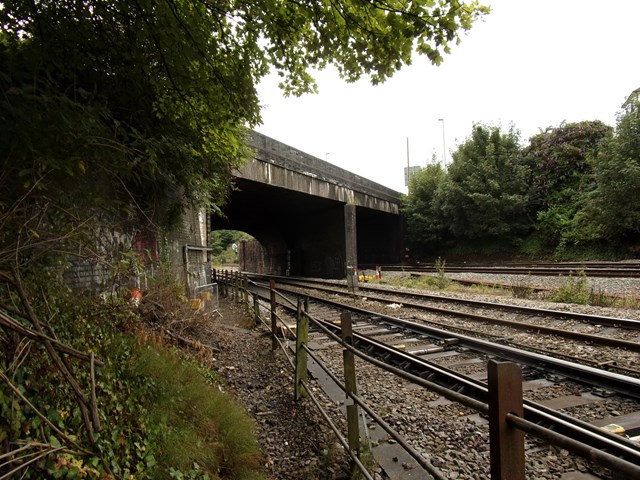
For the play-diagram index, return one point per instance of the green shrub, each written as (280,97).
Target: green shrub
(442,281)
(573,290)
(159,411)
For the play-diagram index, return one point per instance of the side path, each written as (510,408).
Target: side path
(296,442)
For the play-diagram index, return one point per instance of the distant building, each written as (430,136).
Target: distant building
(632,102)
(409,172)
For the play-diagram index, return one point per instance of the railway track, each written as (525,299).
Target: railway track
(587,331)
(629,269)
(458,362)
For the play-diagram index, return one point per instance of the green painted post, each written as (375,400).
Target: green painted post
(353,427)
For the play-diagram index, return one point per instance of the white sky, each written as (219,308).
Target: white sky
(533,63)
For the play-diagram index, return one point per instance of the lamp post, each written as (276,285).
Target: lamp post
(444,148)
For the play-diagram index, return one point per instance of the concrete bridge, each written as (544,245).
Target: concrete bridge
(309,217)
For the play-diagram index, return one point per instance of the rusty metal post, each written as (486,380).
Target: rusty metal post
(274,319)
(353,427)
(506,442)
(302,338)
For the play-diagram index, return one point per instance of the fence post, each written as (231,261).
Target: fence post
(506,442)
(353,427)
(302,337)
(236,290)
(274,319)
(246,291)
(214,275)
(256,308)
(225,283)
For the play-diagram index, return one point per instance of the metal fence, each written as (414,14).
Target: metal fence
(507,425)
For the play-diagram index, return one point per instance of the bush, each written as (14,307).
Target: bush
(159,413)
(573,290)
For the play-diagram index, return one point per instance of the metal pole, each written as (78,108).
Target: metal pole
(444,147)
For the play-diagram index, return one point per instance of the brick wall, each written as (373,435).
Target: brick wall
(185,250)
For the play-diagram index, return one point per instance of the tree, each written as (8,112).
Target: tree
(485,195)
(562,175)
(134,110)
(154,98)
(612,213)
(426,227)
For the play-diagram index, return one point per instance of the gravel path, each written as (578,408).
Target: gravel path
(296,443)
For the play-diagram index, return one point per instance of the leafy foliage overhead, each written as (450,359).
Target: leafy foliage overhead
(153,97)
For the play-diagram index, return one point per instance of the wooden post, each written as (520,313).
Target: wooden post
(506,442)
(236,289)
(353,427)
(226,283)
(302,337)
(246,290)
(256,308)
(214,275)
(274,319)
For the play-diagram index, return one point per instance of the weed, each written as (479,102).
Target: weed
(197,429)
(442,281)
(522,288)
(601,298)
(573,290)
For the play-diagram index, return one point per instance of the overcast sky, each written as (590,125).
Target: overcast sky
(530,63)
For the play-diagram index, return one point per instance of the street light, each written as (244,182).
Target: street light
(444,148)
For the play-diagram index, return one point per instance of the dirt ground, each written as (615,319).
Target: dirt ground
(296,442)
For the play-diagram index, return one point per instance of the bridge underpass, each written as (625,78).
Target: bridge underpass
(309,218)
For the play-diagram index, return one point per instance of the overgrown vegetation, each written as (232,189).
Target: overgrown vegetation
(573,290)
(224,244)
(115,118)
(522,288)
(566,194)
(86,391)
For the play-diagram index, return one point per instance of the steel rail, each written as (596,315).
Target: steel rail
(620,322)
(581,431)
(534,412)
(622,384)
(543,271)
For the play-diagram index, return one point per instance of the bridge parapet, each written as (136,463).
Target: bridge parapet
(280,154)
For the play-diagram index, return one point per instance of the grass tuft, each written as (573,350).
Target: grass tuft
(197,428)
(573,290)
